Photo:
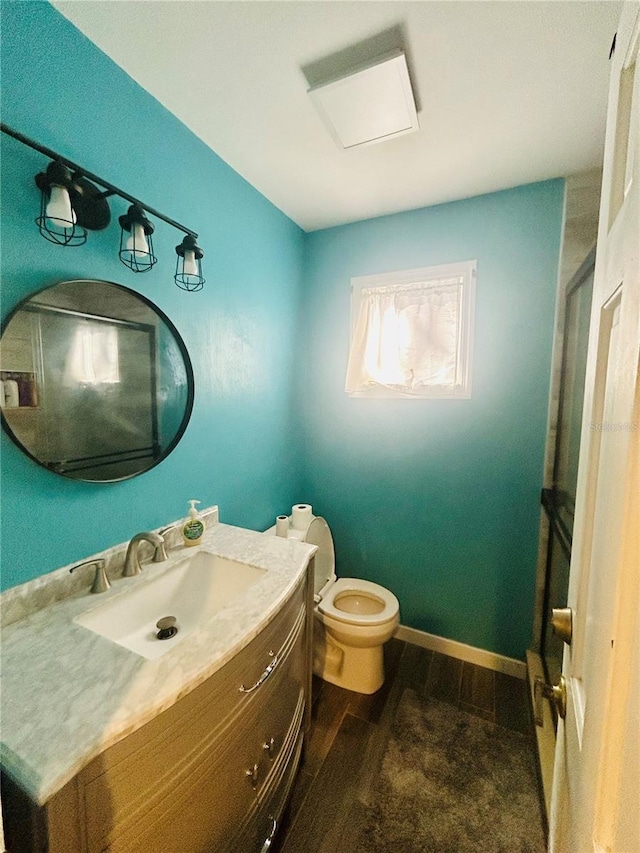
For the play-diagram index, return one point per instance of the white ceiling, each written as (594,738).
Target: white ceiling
(508,92)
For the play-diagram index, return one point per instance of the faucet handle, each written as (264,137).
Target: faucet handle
(100,580)
(160,551)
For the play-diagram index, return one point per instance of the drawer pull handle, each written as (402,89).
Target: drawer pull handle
(253,775)
(272,834)
(270,747)
(265,674)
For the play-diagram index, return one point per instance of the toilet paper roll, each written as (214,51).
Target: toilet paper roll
(282,526)
(11,395)
(301,516)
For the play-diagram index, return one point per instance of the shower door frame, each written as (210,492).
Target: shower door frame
(553,530)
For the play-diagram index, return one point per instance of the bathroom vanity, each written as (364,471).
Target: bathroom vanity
(194,751)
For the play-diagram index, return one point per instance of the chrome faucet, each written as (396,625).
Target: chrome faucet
(132,561)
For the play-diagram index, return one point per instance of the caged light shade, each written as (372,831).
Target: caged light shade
(136,245)
(57,222)
(189,265)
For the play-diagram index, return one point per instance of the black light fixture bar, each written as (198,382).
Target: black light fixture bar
(111,189)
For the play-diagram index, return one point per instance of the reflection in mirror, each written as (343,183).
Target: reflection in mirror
(97,384)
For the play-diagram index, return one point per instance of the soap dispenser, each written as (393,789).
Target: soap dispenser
(193,527)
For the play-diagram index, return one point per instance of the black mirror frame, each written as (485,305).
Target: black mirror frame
(187,364)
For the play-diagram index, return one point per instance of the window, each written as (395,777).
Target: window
(411,333)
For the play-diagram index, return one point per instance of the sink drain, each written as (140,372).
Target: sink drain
(167,627)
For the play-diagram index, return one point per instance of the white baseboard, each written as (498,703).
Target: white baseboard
(461,651)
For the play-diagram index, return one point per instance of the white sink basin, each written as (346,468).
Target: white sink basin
(193,591)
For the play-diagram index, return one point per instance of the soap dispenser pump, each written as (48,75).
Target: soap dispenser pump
(193,527)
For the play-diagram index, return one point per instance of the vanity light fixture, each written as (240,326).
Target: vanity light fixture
(71,204)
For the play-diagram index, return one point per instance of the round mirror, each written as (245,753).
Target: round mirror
(97,384)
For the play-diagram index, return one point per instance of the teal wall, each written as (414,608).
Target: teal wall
(438,499)
(239,449)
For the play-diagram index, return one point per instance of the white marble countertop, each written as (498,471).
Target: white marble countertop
(68,693)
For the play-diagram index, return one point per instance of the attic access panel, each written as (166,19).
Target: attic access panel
(370,105)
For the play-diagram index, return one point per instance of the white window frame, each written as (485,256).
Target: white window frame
(464,269)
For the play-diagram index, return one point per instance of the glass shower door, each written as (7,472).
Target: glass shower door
(559,500)
(97,392)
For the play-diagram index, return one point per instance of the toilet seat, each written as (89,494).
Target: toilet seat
(328,589)
(329,606)
(318,533)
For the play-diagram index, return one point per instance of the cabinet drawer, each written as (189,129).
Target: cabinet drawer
(188,789)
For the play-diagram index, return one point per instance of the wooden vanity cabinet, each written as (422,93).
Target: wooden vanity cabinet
(209,775)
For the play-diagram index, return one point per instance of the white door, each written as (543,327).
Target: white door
(596,792)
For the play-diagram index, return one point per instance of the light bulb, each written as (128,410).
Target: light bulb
(190,265)
(137,241)
(59,210)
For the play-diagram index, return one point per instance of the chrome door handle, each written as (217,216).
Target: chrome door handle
(253,775)
(268,840)
(264,676)
(562,623)
(556,694)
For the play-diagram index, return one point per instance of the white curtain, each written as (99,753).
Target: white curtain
(93,356)
(407,337)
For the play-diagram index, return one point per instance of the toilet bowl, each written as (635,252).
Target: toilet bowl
(353,619)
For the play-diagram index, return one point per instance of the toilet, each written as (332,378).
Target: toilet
(353,618)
